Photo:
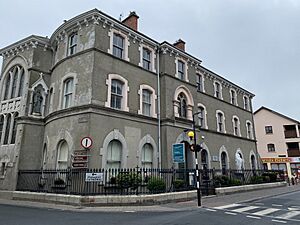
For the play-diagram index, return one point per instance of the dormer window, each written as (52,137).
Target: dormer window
(73,43)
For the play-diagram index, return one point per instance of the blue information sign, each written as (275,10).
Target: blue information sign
(178,153)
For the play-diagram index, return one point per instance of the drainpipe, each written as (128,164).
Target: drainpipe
(158,109)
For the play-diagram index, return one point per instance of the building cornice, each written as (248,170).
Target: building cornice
(25,44)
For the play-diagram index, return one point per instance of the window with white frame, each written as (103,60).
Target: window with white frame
(271,147)
(7,129)
(118,46)
(200,82)
(14,131)
(73,42)
(182,108)
(236,126)
(147,156)
(202,116)
(62,155)
(246,103)
(68,93)
(114,155)
(146,101)
(218,90)
(116,94)
(249,129)
(147,59)
(220,121)
(181,70)
(14,83)
(233,97)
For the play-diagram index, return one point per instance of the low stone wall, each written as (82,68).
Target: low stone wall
(119,200)
(251,187)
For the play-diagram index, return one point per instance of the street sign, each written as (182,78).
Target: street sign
(80,153)
(86,142)
(93,177)
(79,165)
(178,153)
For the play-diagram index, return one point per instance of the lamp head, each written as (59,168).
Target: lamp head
(191,134)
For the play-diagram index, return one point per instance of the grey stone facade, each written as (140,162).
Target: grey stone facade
(70,91)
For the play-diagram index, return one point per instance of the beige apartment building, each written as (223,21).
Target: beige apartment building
(277,140)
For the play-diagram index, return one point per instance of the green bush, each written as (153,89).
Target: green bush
(178,183)
(59,181)
(257,180)
(128,180)
(272,176)
(266,179)
(235,182)
(222,181)
(156,185)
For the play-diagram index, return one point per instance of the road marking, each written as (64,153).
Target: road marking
(227,206)
(296,207)
(289,215)
(129,211)
(279,221)
(212,210)
(258,203)
(276,205)
(265,212)
(244,209)
(254,217)
(230,213)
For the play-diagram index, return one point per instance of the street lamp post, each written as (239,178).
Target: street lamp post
(192,134)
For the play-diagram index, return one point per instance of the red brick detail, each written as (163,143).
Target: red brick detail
(132,21)
(180,44)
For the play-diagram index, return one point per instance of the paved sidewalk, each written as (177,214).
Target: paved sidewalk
(209,201)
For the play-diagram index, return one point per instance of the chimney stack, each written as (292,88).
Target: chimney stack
(180,44)
(132,21)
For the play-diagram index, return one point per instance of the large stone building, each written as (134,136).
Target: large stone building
(278,139)
(101,78)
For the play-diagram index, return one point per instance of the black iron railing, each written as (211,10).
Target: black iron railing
(137,181)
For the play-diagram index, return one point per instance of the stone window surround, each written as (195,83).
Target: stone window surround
(73,33)
(215,89)
(223,149)
(249,131)
(239,125)
(63,135)
(153,56)
(5,159)
(153,99)
(61,90)
(205,116)
(248,102)
(189,98)
(250,162)
(240,151)
(235,96)
(114,135)
(147,139)
(203,81)
(126,42)
(178,58)
(125,91)
(223,122)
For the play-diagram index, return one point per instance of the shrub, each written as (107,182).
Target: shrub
(156,185)
(178,184)
(222,181)
(272,176)
(59,181)
(235,182)
(257,180)
(266,179)
(129,180)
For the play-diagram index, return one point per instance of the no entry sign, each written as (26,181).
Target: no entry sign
(86,142)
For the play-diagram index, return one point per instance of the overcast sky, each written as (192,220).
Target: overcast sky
(253,43)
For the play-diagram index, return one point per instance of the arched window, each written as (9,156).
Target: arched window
(44,159)
(224,162)
(253,162)
(14,83)
(116,94)
(249,129)
(14,131)
(147,156)
(1,125)
(68,93)
(62,155)
(21,85)
(220,121)
(182,108)
(204,159)
(7,86)
(236,126)
(114,154)
(6,136)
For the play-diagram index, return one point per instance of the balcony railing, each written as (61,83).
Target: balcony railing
(293,152)
(290,134)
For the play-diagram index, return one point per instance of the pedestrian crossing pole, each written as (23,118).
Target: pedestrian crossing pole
(192,134)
